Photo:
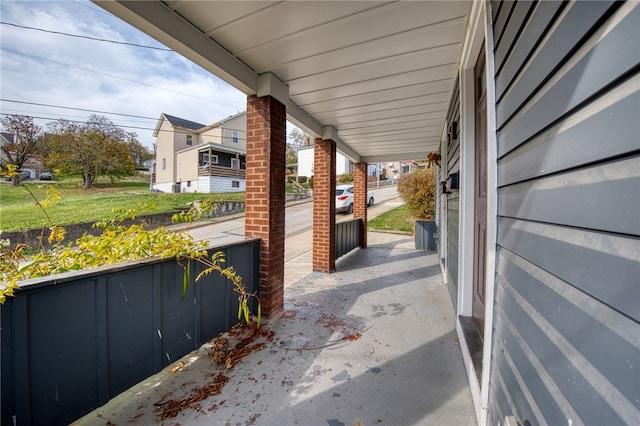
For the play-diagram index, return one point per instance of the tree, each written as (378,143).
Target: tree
(24,144)
(139,153)
(297,139)
(97,147)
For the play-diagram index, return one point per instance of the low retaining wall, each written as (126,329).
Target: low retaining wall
(299,196)
(33,237)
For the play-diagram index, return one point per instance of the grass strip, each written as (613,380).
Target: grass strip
(17,211)
(398,219)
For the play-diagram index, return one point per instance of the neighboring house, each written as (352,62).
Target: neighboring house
(33,165)
(398,168)
(305,162)
(193,157)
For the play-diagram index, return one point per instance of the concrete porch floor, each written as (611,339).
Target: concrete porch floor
(404,369)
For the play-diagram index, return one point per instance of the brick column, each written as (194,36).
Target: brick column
(265,195)
(360,199)
(324,206)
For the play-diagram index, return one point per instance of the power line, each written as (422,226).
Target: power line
(78,121)
(115,124)
(87,37)
(78,109)
(39,58)
(89,110)
(93,9)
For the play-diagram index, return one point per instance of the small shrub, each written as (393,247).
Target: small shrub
(302,179)
(290,179)
(311,182)
(418,190)
(346,178)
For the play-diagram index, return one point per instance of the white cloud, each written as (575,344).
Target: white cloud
(58,70)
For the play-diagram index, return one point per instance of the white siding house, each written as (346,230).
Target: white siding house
(305,162)
(193,157)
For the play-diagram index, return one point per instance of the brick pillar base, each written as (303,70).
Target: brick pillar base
(265,195)
(324,206)
(360,199)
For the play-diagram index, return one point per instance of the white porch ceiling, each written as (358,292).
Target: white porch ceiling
(380,73)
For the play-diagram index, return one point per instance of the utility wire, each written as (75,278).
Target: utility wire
(86,37)
(116,124)
(89,110)
(41,59)
(93,71)
(77,109)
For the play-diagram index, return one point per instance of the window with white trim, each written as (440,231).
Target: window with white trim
(235,136)
(189,140)
(234,163)
(235,184)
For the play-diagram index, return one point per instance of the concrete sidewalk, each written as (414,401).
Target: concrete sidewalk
(372,344)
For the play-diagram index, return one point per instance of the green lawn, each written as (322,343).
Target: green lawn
(18,210)
(398,219)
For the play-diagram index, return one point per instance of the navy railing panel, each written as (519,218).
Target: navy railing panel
(71,343)
(347,236)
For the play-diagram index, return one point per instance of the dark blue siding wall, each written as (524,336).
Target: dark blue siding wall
(453,198)
(566,342)
(72,343)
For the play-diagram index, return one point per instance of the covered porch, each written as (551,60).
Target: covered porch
(374,81)
(531,131)
(373,343)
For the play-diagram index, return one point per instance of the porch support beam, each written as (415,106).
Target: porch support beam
(270,85)
(360,199)
(265,195)
(324,206)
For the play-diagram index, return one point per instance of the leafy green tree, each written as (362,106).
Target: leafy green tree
(23,146)
(97,147)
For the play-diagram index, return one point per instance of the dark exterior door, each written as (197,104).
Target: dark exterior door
(480,193)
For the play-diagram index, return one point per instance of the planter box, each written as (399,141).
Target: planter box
(425,235)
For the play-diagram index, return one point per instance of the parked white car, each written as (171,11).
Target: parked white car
(344,199)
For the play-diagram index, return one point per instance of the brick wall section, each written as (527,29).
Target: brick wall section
(360,199)
(265,195)
(324,206)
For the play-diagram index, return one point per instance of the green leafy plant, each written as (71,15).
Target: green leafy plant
(418,190)
(198,210)
(117,243)
(345,178)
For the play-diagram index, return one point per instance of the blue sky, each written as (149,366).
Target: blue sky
(52,69)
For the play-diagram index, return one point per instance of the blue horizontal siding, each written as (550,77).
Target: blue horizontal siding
(566,330)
